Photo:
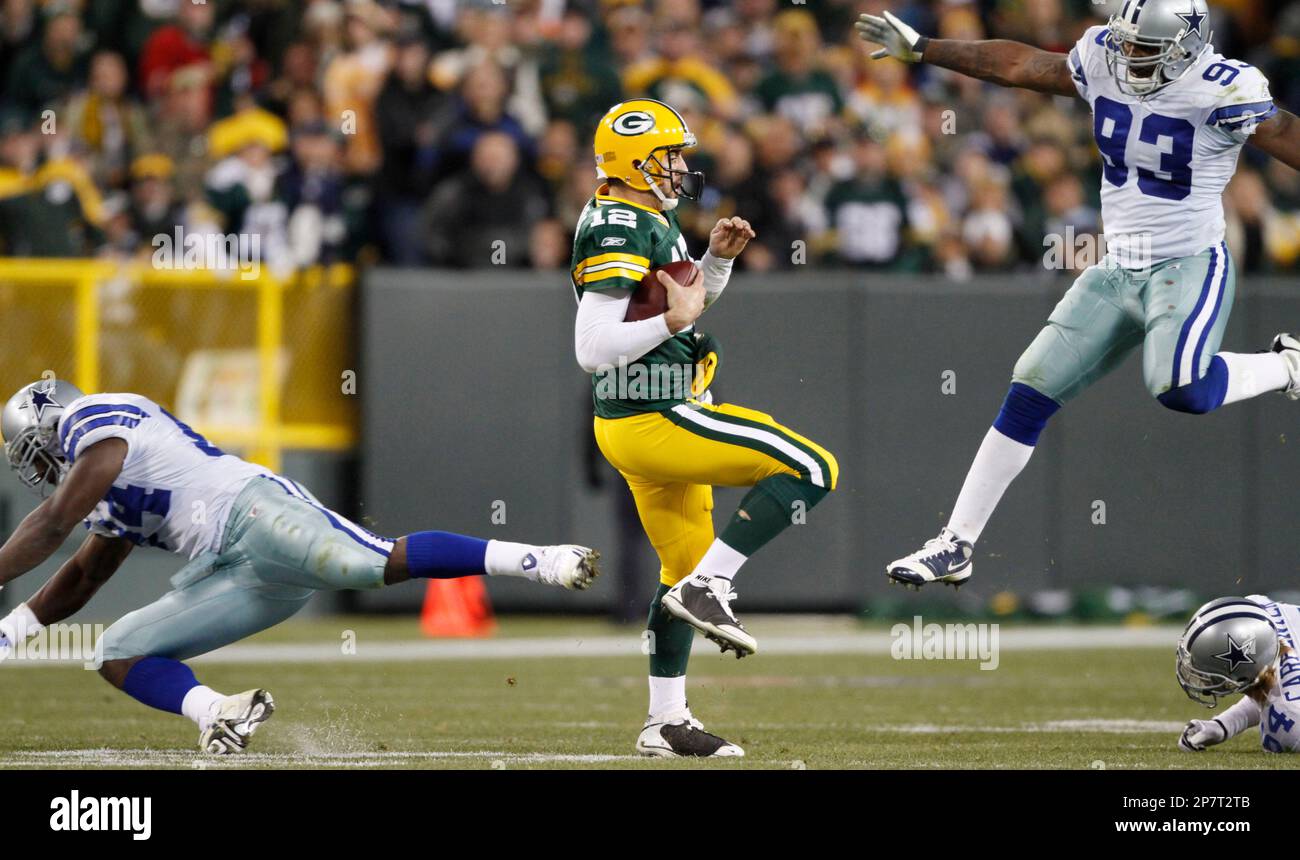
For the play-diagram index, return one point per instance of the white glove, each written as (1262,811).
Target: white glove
(16,627)
(900,41)
(1200,734)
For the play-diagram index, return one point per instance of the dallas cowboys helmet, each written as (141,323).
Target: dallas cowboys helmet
(1224,648)
(29,424)
(1152,43)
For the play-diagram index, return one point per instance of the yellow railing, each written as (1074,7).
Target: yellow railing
(41,290)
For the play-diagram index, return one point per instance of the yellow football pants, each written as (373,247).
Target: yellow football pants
(672,460)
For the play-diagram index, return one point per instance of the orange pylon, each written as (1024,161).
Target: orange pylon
(457,608)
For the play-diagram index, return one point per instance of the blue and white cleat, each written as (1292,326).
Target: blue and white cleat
(566,565)
(1287,346)
(945,559)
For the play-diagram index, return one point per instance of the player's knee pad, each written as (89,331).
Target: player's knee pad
(789,491)
(1024,414)
(1202,396)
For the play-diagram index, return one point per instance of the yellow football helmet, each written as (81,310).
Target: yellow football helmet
(629,140)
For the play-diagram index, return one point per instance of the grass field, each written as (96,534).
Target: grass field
(824,694)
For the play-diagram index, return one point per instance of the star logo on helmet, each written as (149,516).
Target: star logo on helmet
(1237,654)
(1192,19)
(40,400)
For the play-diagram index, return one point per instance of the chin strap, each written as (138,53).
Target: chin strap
(666,204)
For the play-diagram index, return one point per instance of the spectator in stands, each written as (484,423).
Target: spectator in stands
(104,121)
(485,217)
(176,45)
(479,110)
(493,34)
(550,245)
(184,112)
(680,72)
(313,203)
(154,209)
(353,80)
(48,208)
(242,182)
(578,78)
(777,96)
(407,114)
(18,25)
(869,211)
(48,71)
(798,89)
(988,230)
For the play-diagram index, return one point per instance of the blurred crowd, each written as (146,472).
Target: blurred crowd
(457,132)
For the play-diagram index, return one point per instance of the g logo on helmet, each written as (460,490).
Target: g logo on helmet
(633,122)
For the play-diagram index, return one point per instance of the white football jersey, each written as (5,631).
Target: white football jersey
(175,489)
(1279,718)
(1167,157)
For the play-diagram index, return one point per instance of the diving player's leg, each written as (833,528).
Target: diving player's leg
(1088,334)
(142,651)
(789,474)
(323,549)
(1188,303)
(677,518)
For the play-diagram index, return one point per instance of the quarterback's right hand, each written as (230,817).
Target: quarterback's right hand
(1200,734)
(685,304)
(900,41)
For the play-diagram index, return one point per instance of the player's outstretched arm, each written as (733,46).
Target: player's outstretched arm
(77,580)
(1279,136)
(45,529)
(999,61)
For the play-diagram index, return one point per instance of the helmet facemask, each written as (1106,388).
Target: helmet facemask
(1203,687)
(1142,66)
(684,183)
(29,423)
(31,456)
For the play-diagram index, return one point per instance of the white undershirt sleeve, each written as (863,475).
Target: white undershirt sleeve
(716,271)
(601,338)
(1241,716)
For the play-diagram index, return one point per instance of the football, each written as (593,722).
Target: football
(650,299)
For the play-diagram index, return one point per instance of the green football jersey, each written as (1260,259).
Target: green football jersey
(616,243)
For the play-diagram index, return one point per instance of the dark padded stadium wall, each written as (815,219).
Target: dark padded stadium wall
(472,398)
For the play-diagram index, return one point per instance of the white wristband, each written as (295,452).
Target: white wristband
(716,271)
(20,624)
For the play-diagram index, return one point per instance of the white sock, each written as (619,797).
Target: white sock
(667,695)
(999,460)
(197,704)
(1253,374)
(504,558)
(721,561)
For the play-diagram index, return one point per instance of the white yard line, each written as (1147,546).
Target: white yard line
(170,758)
(874,643)
(867,643)
(105,757)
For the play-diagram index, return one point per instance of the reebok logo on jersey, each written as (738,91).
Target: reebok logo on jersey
(613,242)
